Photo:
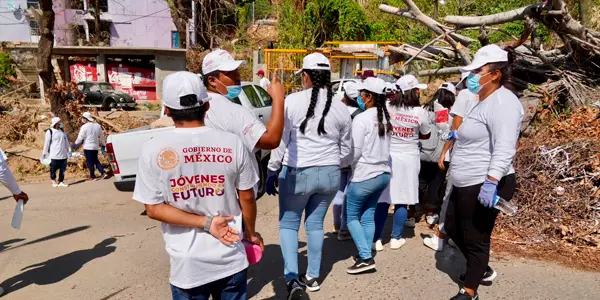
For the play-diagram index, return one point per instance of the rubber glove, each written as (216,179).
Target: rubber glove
(451,136)
(74,146)
(272,183)
(488,193)
(70,153)
(103,149)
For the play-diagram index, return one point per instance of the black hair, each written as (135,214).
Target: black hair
(321,79)
(214,74)
(505,68)
(406,99)
(381,112)
(350,101)
(444,97)
(195,113)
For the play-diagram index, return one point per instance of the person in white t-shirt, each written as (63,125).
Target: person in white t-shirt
(198,182)
(431,150)
(481,166)
(92,137)
(410,122)
(370,171)
(316,144)
(222,78)
(264,81)
(57,149)
(351,95)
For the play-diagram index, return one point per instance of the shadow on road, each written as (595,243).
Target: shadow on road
(450,261)
(6,244)
(52,236)
(59,268)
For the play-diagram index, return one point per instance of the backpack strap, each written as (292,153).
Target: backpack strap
(50,144)
(355,113)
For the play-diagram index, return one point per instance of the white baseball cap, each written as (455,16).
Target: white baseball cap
(181,84)
(88,116)
(487,54)
(449,87)
(315,61)
(391,87)
(463,76)
(374,85)
(55,121)
(352,89)
(220,60)
(409,82)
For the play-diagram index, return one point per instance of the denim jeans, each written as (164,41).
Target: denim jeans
(59,165)
(339,202)
(232,287)
(309,190)
(91,158)
(362,199)
(381,213)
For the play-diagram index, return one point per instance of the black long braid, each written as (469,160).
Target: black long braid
(381,112)
(321,79)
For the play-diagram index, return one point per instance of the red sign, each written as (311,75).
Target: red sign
(441,116)
(135,81)
(83,71)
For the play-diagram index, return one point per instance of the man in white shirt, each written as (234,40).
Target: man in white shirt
(8,180)
(56,148)
(190,180)
(264,81)
(92,137)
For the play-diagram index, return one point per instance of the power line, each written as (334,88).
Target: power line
(154,13)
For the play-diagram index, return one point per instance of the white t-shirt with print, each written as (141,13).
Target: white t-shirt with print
(371,151)
(407,123)
(197,170)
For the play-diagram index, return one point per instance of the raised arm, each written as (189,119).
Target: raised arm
(271,138)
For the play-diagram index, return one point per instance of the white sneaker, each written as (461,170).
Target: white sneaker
(378,246)
(62,184)
(434,242)
(396,244)
(1,291)
(54,184)
(410,223)
(433,219)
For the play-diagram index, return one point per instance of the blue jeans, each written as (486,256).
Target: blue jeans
(308,190)
(400,215)
(91,158)
(339,202)
(362,199)
(233,287)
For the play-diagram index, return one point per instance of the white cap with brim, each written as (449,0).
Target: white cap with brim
(463,76)
(220,60)
(409,82)
(88,116)
(486,55)
(352,89)
(374,85)
(315,61)
(449,87)
(55,121)
(178,85)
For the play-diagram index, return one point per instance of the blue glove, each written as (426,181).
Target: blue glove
(103,149)
(70,154)
(74,146)
(452,136)
(272,183)
(488,193)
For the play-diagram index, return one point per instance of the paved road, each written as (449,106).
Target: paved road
(90,242)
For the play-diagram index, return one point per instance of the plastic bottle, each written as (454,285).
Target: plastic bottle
(506,207)
(18,215)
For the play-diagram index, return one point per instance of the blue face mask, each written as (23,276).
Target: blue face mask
(61,125)
(233,92)
(360,102)
(473,84)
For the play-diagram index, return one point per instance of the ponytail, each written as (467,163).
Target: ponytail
(381,112)
(321,79)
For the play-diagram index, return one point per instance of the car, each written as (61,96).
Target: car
(338,87)
(124,148)
(104,96)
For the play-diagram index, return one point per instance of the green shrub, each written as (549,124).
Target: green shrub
(6,69)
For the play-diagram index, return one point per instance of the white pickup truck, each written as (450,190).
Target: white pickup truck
(124,148)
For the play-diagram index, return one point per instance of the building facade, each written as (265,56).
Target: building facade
(123,23)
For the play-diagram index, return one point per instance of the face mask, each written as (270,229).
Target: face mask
(61,125)
(82,121)
(473,83)
(232,91)
(360,102)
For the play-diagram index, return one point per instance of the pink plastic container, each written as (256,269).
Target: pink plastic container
(253,252)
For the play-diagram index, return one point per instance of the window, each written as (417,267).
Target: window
(80,87)
(34,28)
(33,4)
(252,96)
(174,39)
(266,98)
(105,87)
(94,88)
(103,5)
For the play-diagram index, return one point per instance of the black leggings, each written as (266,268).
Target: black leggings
(434,177)
(469,224)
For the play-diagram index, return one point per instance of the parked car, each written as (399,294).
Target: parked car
(104,96)
(124,148)
(338,87)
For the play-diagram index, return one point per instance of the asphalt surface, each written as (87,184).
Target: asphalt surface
(89,241)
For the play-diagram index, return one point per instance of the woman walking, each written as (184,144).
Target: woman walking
(316,144)
(410,123)
(481,166)
(56,148)
(351,95)
(370,173)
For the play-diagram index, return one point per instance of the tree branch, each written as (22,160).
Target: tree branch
(499,18)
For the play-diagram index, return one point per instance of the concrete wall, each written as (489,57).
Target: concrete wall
(166,65)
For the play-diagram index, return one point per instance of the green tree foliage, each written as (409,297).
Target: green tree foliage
(6,69)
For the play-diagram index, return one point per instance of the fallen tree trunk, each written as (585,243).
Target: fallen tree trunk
(442,71)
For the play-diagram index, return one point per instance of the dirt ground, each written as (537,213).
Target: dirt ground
(89,241)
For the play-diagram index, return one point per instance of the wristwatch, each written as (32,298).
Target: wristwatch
(207,224)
